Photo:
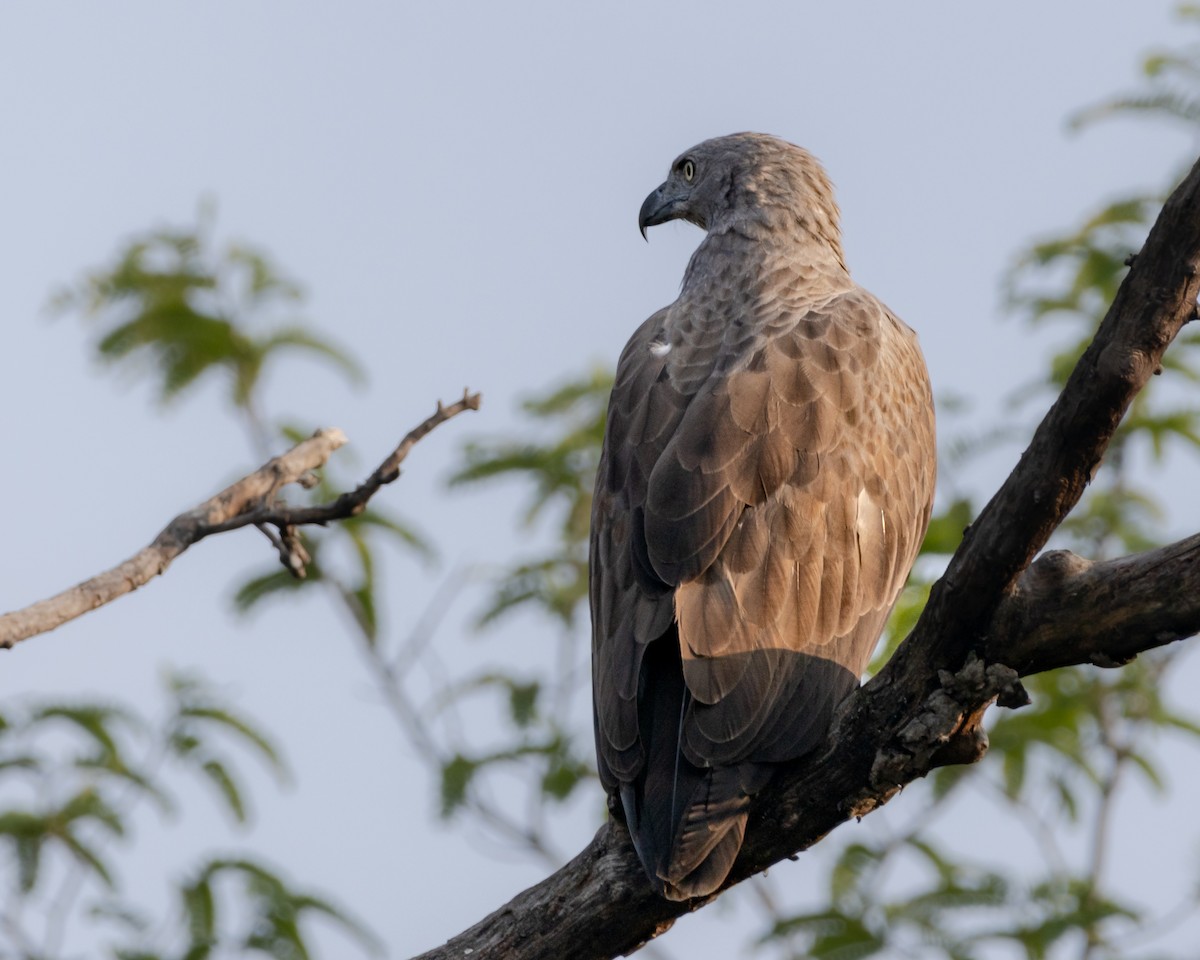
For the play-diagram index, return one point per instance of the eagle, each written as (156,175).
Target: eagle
(765,482)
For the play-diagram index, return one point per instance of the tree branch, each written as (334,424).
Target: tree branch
(923,709)
(1129,605)
(251,500)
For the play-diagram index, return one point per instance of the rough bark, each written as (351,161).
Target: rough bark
(990,619)
(1128,605)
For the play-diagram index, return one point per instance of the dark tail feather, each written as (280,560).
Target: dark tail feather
(708,836)
(687,822)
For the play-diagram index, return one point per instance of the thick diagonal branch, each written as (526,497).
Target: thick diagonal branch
(249,501)
(1152,305)
(928,699)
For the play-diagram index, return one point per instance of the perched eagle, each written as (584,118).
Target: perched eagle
(766,480)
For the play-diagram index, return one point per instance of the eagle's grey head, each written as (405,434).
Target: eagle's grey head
(746,177)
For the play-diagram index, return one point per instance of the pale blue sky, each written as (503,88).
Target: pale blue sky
(456,186)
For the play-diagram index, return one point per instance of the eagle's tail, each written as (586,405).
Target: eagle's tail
(708,836)
(687,822)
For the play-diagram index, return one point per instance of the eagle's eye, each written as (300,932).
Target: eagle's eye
(688,169)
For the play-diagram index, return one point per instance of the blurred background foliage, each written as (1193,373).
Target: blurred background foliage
(173,307)
(75,778)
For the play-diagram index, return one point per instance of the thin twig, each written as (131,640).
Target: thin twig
(353,502)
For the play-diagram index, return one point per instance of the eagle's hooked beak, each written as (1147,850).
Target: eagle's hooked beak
(663,204)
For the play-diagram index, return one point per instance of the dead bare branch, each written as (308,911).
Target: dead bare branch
(250,501)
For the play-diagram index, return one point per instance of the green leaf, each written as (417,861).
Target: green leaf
(856,864)
(29,853)
(216,773)
(172,305)
(457,773)
(113,767)
(275,911)
(299,338)
(85,855)
(119,913)
(559,469)
(381,521)
(196,709)
(929,907)
(563,774)
(91,719)
(200,910)
(830,935)
(1149,771)
(946,529)
(260,588)
(522,701)
(23,761)
(247,734)
(28,833)
(89,805)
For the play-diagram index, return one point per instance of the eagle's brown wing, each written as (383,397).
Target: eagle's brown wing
(765,514)
(631,604)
